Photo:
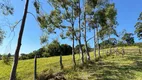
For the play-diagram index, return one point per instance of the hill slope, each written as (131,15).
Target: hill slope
(112,67)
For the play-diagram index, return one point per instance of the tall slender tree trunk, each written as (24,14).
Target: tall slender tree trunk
(79,39)
(98,46)
(14,67)
(95,43)
(86,47)
(73,51)
(109,46)
(35,67)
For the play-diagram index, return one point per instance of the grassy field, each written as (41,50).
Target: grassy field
(114,67)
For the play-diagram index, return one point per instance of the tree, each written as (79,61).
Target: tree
(15,63)
(0,56)
(9,55)
(109,42)
(54,48)
(128,37)
(1,35)
(64,11)
(138,27)
(23,56)
(85,30)
(77,50)
(5,59)
(78,12)
(100,19)
(6,8)
(66,49)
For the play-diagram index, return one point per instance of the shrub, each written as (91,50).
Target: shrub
(5,59)
(0,57)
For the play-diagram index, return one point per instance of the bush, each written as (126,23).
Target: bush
(5,59)
(0,57)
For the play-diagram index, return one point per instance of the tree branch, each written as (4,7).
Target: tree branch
(90,38)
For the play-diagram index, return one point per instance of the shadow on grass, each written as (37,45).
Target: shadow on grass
(103,70)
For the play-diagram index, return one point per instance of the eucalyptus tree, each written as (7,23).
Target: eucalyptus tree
(78,33)
(49,23)
(85,28)
(120,40)
(15,63)
(111,13)
(128,38)
(96,17)
(5,9)
(103,19)
(64,12)
(138,27)
(107,21)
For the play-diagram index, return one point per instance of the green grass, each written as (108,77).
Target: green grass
(114,67)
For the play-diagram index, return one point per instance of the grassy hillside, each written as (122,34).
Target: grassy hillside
(112,67)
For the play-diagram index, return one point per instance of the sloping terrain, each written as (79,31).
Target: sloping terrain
(113,67)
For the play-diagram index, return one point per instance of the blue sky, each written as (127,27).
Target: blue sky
(128,12)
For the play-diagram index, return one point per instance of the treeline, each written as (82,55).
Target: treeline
(126,39)
(53,49)
(106,44)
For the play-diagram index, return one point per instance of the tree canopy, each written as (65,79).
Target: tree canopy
(2,35)
(138,27)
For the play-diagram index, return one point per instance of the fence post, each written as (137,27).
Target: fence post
(35,66)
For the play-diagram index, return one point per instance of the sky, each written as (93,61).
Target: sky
(127,14)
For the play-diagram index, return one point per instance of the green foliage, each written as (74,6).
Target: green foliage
(77,50)
(138,27)
(23,56)
(9,55)
(43,39)
(2,35)
(108,43)
(111,67)
(83,48)
(45,54)
(128,37)
(42,52)
(0,57)
(6,8)
(66,49)
(6,59)
(54,48)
